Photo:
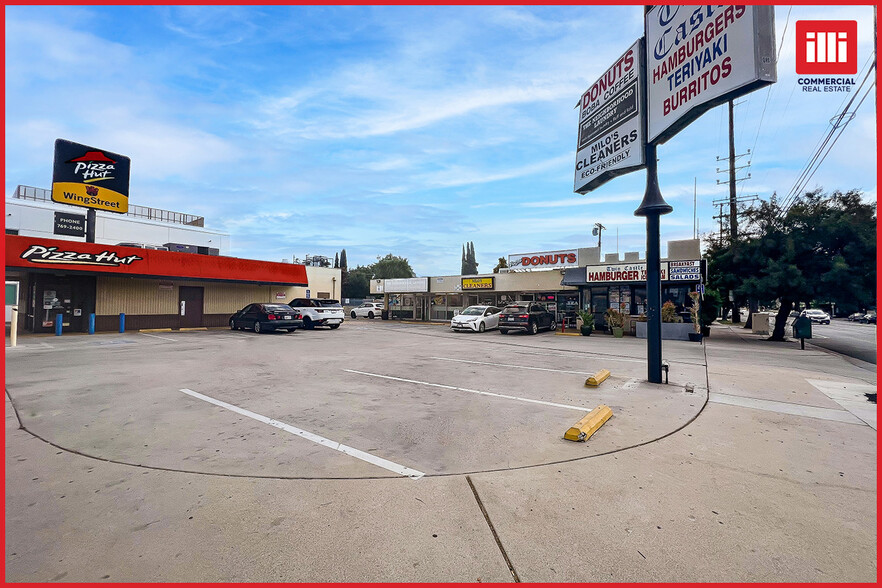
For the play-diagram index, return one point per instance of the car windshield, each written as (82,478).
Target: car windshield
(277,308)
(514,309)
(474,310)
(328,302)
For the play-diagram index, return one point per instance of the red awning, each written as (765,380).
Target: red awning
(39,254)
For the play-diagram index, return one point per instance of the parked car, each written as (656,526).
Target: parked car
(816,315)
(317,312)
(526,316)
(476,318)
(857,316)
(870,317)
(262,317)
(368,309)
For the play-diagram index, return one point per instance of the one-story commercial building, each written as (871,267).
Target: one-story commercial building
(155,285)
(565,281)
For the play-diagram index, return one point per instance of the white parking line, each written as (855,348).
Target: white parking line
(356,453)
(158,337)
(523,367)
(582,408)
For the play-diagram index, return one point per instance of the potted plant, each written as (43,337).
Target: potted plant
(693,312)
(587,321)
(616,321)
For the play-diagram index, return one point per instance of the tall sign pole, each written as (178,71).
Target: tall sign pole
(691,59)
(652,207)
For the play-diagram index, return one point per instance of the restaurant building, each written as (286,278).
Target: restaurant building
(185,283)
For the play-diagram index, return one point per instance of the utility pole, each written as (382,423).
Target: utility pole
(598,232)
(733,195)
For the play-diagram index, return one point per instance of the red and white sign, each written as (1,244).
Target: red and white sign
(700,56)
(826,47)
(546,260)
(56,255)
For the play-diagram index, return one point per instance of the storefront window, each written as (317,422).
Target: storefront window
(638,299)
(676,294)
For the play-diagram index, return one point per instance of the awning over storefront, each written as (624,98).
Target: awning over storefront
(52,255)
(574,276)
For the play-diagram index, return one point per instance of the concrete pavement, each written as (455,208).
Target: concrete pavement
(771,479)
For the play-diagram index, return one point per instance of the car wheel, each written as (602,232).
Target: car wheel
(481,328)
(352,314)
(370,315)
(503,331)
(291,330)
(256,326)
(534,328)
(307,323)
(334,326)
(553,326)
(232,325)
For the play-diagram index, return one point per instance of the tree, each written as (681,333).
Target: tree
(502,263)
(392,266)
(344,277)
(469,264)
(822,248)
(358,284)
(336,261)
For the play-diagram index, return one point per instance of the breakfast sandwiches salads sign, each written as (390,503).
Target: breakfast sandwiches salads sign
(90,177)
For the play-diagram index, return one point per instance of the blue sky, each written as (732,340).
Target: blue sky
(404,130)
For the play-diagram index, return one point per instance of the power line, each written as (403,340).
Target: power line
(841,128)
(807,170)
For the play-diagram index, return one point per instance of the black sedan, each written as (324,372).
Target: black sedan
(266,317)
(526,316)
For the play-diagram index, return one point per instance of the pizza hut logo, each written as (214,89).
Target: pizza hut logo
(51,255)
(94,166)
(91,190)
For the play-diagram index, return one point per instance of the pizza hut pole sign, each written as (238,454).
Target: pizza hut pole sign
(611,130)
(90,177)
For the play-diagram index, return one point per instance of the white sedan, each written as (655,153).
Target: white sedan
(477,319)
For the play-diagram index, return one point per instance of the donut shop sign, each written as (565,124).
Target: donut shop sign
(545,260)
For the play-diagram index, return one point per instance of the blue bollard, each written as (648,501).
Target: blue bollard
(59,319)
(92,323)
(122,322)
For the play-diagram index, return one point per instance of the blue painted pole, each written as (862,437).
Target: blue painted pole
(59,319)
(122,322)
(92,323)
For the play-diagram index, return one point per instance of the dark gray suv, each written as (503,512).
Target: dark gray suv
(526,316)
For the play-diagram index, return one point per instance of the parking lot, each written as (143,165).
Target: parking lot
(403,452)
(372,399)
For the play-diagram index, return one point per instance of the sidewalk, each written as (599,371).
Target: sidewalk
(774,480)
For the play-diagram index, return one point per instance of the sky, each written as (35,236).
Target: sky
(406,130)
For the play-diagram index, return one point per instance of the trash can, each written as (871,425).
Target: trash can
(384,314)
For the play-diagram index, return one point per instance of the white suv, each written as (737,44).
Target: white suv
(319,311)
(368,309)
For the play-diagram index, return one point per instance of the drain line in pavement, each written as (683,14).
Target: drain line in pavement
(511,569)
